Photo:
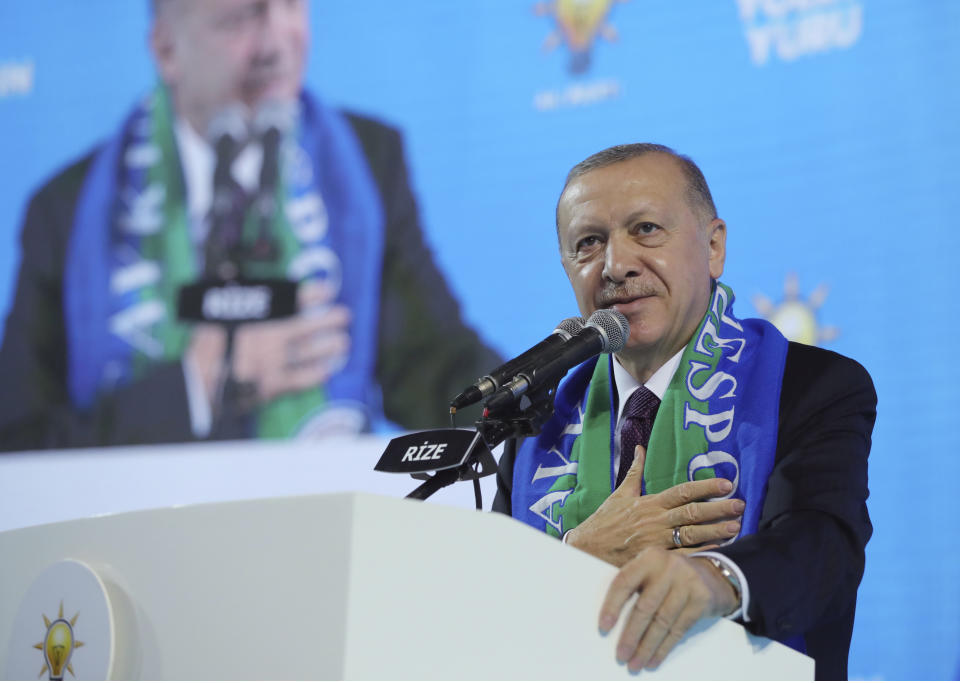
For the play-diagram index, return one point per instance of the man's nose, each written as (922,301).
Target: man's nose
(621,257)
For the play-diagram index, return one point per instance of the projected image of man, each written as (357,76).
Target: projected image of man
(95,351)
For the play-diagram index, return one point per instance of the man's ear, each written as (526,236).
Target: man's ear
(717,245)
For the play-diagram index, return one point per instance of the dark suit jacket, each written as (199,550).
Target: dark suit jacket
(805,562)
(425,353)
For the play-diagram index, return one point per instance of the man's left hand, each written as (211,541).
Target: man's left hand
(674,592)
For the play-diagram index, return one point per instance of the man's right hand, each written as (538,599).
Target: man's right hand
(279,356)
(627,522)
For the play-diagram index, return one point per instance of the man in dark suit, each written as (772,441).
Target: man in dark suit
(776,536)
(93,352)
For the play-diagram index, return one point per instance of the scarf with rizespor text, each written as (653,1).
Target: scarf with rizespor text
(131,251)
(718,418)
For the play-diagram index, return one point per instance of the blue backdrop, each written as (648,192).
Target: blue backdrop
(827,129)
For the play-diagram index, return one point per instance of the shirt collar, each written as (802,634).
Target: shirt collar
(626,384)
(197,161)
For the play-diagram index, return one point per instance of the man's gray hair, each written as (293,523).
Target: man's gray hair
(697,187)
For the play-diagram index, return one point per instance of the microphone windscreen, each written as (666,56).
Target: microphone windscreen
(276,113)
(571,325)
(614,327)
(230,121)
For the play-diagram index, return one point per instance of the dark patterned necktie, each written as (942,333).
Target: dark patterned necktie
(638,416)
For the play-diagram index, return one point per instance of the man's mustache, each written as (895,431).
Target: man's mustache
(625,291)
(266,69)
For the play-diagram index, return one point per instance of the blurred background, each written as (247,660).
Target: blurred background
(827,129)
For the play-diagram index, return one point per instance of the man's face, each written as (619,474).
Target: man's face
(631,239)
(212,53)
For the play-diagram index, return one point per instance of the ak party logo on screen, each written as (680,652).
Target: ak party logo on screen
(577,25)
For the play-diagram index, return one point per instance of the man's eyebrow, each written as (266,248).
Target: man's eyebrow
(646,211)
(587,221)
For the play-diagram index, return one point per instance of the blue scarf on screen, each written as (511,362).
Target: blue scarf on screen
(131,250)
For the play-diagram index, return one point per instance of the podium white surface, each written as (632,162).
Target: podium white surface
(40,487)
(344,586)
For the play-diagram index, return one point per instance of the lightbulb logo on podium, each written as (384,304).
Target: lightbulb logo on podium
(69,587)
(58,646)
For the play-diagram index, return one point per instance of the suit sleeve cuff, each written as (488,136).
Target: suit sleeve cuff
(742,611)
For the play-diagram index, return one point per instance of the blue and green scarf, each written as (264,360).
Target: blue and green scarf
(131,251)
(718,418)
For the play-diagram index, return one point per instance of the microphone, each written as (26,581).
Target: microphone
(606,331)
(279,114)
(274,119)
(229,126)
(489,383)
(227,132)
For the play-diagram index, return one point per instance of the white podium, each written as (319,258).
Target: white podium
(336,586)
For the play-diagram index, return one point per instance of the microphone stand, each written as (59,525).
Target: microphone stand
(223,262)
(228,390)
(494,430)
(525,418)
(478,463)
(434,483)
